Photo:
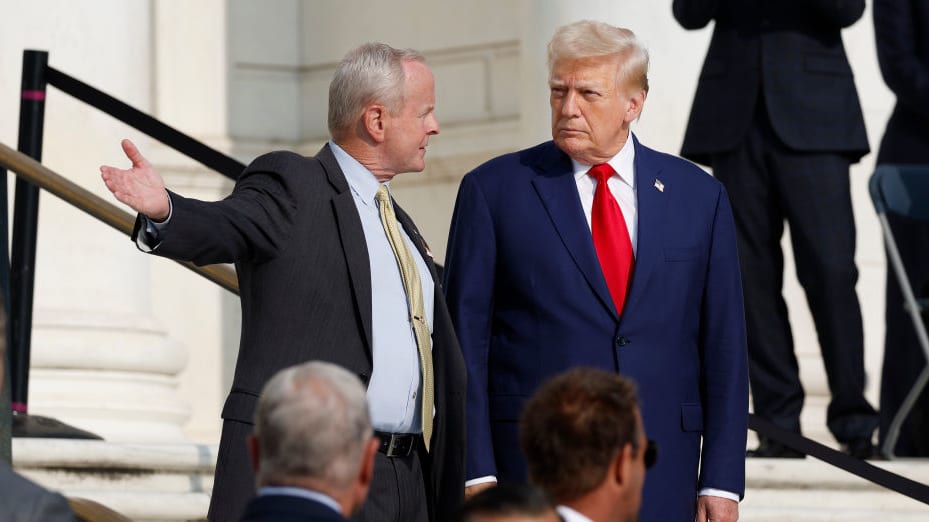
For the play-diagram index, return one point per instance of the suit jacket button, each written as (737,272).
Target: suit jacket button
(622,341)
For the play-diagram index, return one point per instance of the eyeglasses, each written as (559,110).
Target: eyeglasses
(651,453)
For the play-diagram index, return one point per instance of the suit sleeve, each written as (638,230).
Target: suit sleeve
(896,38)
(252,223)
(694,14)
(469,284)
(724,361)
(836,13)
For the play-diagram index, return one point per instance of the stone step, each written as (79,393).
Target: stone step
(809,490)
(145,482)
(172,482)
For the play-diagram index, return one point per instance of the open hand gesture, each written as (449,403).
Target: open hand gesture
(140,187)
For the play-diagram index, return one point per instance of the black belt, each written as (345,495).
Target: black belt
(397,444)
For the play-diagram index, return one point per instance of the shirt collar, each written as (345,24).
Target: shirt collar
(570,515)
(360,179)
(316,496)
(623,163)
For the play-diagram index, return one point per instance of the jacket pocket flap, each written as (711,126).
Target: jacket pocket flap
(240,406)
(681,254)
(824,63)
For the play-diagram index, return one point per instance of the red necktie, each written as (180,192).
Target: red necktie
(611,237)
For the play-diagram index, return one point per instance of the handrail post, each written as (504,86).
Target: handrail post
(25,227)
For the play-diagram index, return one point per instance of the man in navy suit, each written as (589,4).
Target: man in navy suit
(776,115)
(313,446)
(544,273)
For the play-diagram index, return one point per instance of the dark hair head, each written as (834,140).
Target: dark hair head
(573,427)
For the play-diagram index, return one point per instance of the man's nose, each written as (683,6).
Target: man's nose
(569,104)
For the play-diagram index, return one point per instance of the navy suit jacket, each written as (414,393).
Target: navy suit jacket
(901,32)
(790,54)
(529,300)
(286,508)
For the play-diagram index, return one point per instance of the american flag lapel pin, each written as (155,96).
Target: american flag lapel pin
(659,185)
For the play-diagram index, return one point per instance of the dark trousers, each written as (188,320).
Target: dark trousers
(398,491)
(903,356)
(234,481)
(768,184)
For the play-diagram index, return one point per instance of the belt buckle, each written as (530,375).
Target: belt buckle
(392,446)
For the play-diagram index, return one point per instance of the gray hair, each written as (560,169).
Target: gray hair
(372,72)
(312,421)
(591,39)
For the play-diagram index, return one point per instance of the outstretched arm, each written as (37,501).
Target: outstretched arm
(140,186)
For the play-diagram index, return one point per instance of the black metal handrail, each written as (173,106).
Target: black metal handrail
(19,287)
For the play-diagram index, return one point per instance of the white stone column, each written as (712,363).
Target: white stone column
(100,359)
(191,60)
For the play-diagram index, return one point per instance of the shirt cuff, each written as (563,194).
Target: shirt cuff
(710,492)
(480,480)
(151,234)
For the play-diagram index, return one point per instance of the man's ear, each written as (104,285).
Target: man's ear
(366,474)
(254,452)
(374,120)
(634,105)
(622,465)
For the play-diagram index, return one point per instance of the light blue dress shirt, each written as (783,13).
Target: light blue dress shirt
(396,381)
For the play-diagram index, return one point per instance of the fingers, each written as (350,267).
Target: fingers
(136,157)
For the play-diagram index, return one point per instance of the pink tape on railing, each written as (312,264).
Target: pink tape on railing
(19,407)
(34,95)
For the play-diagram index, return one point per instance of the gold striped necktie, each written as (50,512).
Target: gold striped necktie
(414,296)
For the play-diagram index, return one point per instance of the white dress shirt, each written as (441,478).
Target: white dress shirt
(570,515)
(621,184)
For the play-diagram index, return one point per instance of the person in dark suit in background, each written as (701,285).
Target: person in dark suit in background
(585,445)
(313,446)
(776,115)
(326,274)
(22,500)
(594,250)
(901,30)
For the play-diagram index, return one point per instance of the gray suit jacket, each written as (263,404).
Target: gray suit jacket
(22,500)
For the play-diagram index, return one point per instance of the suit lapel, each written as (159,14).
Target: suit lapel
(557,189)
(352,236)
(651,205)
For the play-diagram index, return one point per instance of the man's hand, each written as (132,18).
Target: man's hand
(716,509)
(470,491)
(139,187)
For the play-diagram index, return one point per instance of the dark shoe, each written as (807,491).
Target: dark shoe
(861,449)
(769,449)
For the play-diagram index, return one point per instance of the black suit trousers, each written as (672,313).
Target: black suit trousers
(768,184)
